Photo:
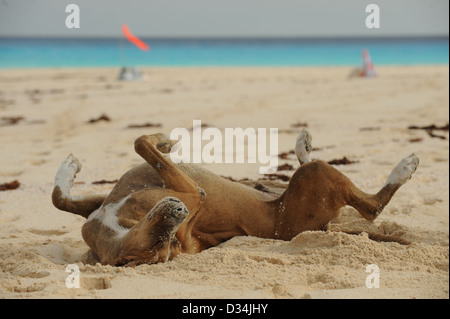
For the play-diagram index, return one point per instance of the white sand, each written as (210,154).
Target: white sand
(37,241)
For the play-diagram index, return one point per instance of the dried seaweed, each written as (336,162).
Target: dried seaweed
(148,124)
(275,176)
(415,140)
(105,182)
(102,117)
(341,161)
(370,128)
(299,124)
(285,155)
(432,127)
(10,186)
(10,120)
(430,130)
(285,167)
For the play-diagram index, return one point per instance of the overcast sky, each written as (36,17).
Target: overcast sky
(224,18)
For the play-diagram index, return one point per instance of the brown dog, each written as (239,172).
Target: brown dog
(159,209)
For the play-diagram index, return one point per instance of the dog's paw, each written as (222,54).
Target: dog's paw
(404,170)
(66,174)
(303,146)
(72,163)
(304,140)
(164,144)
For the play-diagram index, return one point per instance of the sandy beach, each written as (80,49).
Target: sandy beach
(45,114)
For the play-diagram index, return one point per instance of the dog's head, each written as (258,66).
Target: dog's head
(153,240)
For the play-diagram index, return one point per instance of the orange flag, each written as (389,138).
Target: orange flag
(134,39)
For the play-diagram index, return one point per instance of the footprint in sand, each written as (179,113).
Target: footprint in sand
(49,232)
(59,254)
(19,288)
(280,290)
(42,153)
(26,272)
(97,283)
(431,200)
(11,173)
(38,162)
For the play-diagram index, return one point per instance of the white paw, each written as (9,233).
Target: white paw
(304,140)
(404,170)
(66,174)
(303,146)
(73,163)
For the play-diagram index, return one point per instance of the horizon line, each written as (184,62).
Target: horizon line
(237,38)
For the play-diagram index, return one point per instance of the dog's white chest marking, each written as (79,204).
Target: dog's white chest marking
(107,214)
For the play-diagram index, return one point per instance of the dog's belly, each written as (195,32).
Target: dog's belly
(219,218)
(144,177)
(225,203)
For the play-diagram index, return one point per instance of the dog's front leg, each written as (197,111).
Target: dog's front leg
(61,197)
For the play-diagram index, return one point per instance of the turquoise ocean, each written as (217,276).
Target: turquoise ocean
(24,53)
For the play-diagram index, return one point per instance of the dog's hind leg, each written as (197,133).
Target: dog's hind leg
(317,191)
(61,197)
(370,206)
